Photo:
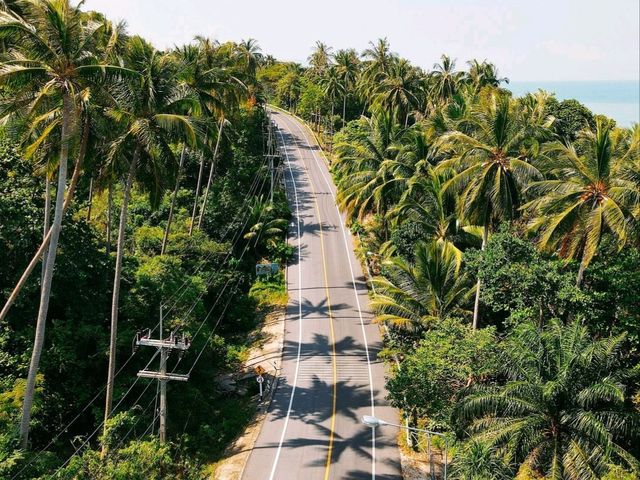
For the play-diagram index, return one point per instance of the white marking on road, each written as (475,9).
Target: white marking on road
(355,290)
(295,378)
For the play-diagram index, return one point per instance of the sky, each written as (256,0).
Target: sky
(551,40)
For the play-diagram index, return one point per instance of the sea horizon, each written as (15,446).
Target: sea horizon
(617,99)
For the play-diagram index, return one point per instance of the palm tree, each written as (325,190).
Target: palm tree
(217,88)
(492,166)
(366,167)
(445,79)
(378,60)
(478,461)
(582,198)
(397,90)
(320,59)
(483,74)
(347,67)
(149,115)
(265,227)
(332,87)
(562,408)
(424,202)
(53,59)
(432,288)
(249,54)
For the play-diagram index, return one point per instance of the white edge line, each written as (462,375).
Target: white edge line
(355,290)
(295,378)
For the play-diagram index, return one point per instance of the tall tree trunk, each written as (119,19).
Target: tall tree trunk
(580,276)
(45,292)
(197,195)
(116,284)
(344,110)
(40,253)
(90,199)
(47,221)
(109,215)
(476,305)
(211,173)
(173,202)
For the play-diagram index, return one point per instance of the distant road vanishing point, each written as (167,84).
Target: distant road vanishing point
(330,373)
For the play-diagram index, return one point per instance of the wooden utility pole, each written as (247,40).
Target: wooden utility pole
(165,346)
(272,152)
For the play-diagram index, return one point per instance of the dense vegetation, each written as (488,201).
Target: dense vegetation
(502,234)
(167,209)
(503,237)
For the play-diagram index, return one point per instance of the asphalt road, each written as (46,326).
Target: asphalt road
(330,373)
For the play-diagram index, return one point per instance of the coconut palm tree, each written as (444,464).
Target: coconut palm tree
(424,202)
(582,198)
(320,59)
(414,295)
(265,227)
(445,79)
(347,67)
(367,169)
(492,166)
(149,116)
(52,62)
(561,410)
(215,83)
(332,87)
(249,55)
(398,88)
(377,61)
(483,74)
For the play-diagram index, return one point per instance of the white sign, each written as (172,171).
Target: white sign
(264,269)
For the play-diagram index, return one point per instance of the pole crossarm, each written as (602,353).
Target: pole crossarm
(165,345)
(163,376)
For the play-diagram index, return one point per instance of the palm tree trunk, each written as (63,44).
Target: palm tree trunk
(195,202)
(173,202)
(47,221)
(109,214)
(41,249)
(67,111)
(116,284)
(580,276)
(211,173)
(476,305)
(90,199)
(344,110)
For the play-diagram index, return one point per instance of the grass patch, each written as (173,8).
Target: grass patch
(270,291)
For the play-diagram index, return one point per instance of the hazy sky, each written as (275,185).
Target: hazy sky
(526,39)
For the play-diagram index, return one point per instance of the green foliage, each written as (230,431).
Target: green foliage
(478,461)
(570,116)
(311,99)
(516,277)
(448,358)
(561,408)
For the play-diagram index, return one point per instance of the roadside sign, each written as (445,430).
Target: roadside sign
(265,269)
(260,379)
(259,370)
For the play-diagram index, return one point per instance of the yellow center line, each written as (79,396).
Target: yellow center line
(333,337)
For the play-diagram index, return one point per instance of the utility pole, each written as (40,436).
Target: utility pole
(272,152)
(165,346)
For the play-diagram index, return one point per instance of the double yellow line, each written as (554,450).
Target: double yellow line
(331,329)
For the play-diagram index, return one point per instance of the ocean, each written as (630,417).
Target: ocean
(619,100)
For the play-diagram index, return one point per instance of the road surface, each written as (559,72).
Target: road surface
(330,374)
